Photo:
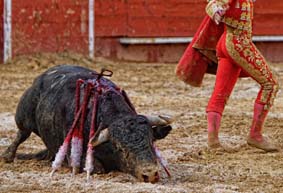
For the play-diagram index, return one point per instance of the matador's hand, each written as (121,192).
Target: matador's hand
(218,16)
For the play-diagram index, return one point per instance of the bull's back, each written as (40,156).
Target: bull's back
(55,109)
(47,107)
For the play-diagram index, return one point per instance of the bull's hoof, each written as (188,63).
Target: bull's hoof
(263,144)
(7,157)
(43,155)
(98,167)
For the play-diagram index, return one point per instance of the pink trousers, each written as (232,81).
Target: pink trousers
(236,52)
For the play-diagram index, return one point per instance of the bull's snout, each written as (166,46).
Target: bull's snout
(148,173)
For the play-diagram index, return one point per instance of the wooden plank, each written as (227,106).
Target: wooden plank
(110,26)
(268,24)
(155,18)
(41,25)
(54,25)
(110,17)
(268,18)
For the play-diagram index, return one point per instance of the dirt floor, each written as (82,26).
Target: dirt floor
(154,89)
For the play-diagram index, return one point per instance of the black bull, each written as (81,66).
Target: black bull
(47,109)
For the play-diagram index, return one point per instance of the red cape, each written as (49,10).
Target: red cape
(200,56)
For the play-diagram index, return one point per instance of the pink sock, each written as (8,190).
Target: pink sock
(258,121)
(213,121)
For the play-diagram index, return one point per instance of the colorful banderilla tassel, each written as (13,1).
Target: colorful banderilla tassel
(161,160)
(61,154)
(77,138)
(89,156)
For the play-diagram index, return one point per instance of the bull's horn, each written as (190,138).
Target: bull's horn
(102,137)
(160,120)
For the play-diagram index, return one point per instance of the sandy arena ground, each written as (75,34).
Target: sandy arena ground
(154,89)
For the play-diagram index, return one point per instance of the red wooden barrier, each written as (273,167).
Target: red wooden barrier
(49,26)
(111,18)
(58,25)
(173,18)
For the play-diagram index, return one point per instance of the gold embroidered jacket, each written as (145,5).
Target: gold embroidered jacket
(238,14)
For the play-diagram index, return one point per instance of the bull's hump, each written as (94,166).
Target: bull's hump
(65,75)
(61,74)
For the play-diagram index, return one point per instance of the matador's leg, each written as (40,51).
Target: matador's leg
(244,53)
(226,77)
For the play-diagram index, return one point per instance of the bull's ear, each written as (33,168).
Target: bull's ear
(160,132)
(100,137)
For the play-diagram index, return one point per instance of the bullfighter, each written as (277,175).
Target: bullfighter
(223,45)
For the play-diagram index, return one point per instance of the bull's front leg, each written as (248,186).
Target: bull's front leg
(9,155)
(98,168)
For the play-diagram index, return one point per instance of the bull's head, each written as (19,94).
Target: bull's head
(132,138)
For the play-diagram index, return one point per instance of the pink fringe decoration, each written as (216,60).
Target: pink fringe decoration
(60,156)
(76,152)
(161,160)
(89,159)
